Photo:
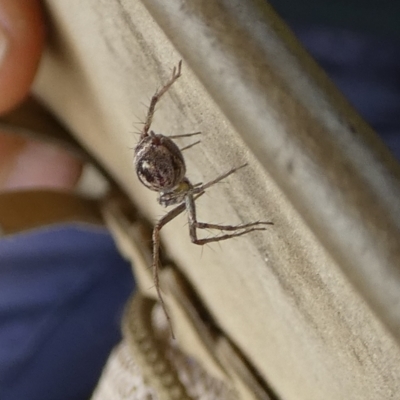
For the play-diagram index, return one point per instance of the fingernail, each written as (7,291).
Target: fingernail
(3,45)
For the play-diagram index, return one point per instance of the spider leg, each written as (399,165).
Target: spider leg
(219,238)
(176,73)
(156,253)
(190,145)
(184,135)
(201,188)
(205,225)
(237,230)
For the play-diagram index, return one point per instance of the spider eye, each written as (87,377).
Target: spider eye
(159,163)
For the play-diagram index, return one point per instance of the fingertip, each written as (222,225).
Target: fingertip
(21,43)
(26,163)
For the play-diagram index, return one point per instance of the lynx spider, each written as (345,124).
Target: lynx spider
(160,166)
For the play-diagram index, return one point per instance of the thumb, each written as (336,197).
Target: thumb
(21,43)
(26,163)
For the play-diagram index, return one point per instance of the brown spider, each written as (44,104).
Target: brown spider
(160,167)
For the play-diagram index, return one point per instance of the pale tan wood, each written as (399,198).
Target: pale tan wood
(284,296)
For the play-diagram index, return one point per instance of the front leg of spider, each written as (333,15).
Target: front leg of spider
(160,166)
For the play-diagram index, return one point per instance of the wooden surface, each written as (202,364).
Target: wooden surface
(301,299)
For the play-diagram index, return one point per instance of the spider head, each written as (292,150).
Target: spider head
(159,163)
(175,196)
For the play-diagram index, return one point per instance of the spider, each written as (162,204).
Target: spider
(160,166)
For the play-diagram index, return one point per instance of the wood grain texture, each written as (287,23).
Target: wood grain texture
(286,296)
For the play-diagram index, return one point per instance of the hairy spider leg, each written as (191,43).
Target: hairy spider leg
(189,205)
(201,188)
(184,135)
(238,230)
(156,252)
(190,145)
(194,224)
(176,73)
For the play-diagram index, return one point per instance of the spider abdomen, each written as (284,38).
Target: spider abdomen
(159,163)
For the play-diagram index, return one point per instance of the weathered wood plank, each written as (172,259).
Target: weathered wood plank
(285,296)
